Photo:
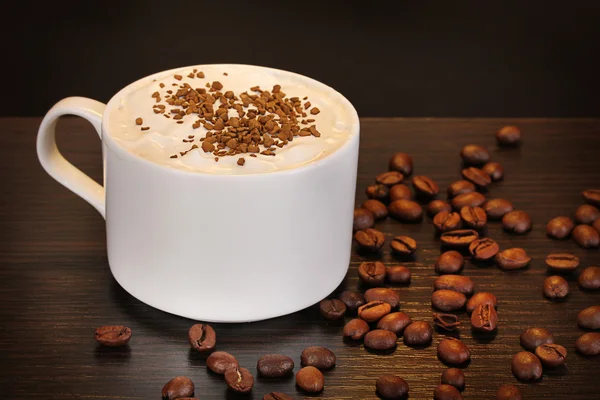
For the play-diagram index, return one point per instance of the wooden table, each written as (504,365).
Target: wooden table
(56,287)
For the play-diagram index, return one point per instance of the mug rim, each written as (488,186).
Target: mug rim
(122,152)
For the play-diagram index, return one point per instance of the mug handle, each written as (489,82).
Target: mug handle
(55,164)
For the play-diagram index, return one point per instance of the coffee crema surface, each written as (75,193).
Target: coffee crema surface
(295,121)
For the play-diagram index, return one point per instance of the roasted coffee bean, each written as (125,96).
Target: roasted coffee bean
(448,300)
(460,187)
(220,361)
(555,287)
(589,318)
(446,392)
(596,225)
(356,329)
(516,221)
(405,210)
(497,208)
(318,357)
(562,262)
(586,236)
(437,206)
(398,274)
(363,219)
(401,162)
(454,377)
(513,258)
(391,387)
(395,322)
(425,186)
(418,333)
(274,366)
(446,221)
(484,318)
(178,387)
(380,339)
(508,392)
(378,192)
(310,380)
(449,262)
(586,214)
(369,239)
(551,355)
(483,249)
(473,154)
(459,238)
(453,351)
(560,227)
(473,217)
(352,300)
(390,178)
(526,366)
(403,245)
(332,309)
(494,170)
(592,196)
(202,337)
(276,396)
(374,310)
(239,380)
(371,273)
(473,199)
(534,337)
(447,322)
(376,207)
(479,178)
(481,298)
(112,335)
(458,283)
(588,344)
(590,278)
(386,295)
(400,192)
(508,136)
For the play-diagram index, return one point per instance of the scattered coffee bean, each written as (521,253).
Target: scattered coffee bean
(459,238)
(376,207)
(484,318)
(378,192)
(405,210)
(202,337)
(454,377)
(332,309)
(394,322)
(586,236)
(513,258)
(508,392)
(446,392)
(318,357)
(446,221)
(497,208)
(556,287)
(483,249)
(310,380)
(508,136)
(239,380)
(560,227)
(274,366)
(516,221)
(401,162)
(460,187)
(534,337)
(473,199)
(390,178)
(380,339)
(458,283)
(371,273)
(436,206)
(418,333)
(586,214)
(352,300)
(588,344)
(590,278)
(425,186)
(363,219)
(473,217)
(473,154)
(494,170)
(400,192)
(562,262)
(276,396)
(391,387)
(386,295)
(374,310)
(112,335)
(369,239)
(448,300)
(398,274)
(475,175)
(403,245)
(589,318)
(220,361)
(526,366)
(450,262)
(453,351)
(447,322)
(592,196)
(180,386)
(479,299)
(551,355)
(356,329)
(596,225)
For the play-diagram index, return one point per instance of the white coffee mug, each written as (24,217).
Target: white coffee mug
(217,248)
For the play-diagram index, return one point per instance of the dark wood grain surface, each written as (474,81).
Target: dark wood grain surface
(56,287)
